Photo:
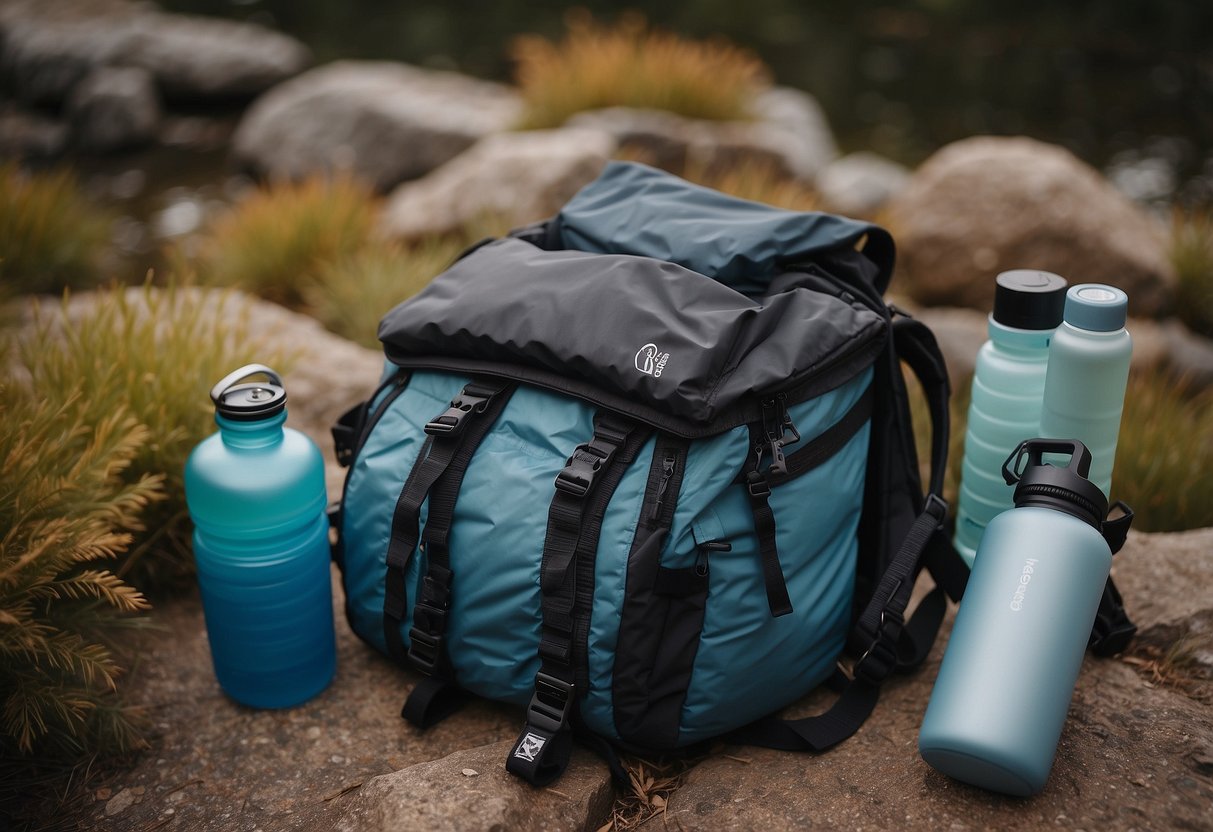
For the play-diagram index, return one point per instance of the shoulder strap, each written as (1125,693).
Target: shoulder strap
(582,491)
(480,402)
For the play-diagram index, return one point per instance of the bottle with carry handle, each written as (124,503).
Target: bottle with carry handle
(256,493)
(999,703)
(1008,388)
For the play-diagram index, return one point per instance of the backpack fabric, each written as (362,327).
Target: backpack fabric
(647,470)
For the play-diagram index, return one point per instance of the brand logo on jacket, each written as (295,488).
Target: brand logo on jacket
(1021,589)
(529,747)
(651,361)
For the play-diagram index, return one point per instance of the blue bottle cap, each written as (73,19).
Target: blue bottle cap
(1096,307)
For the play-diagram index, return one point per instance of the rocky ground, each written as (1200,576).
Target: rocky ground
(1137,751)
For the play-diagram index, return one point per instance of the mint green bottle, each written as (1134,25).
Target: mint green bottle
(1087,375)
(1008,387)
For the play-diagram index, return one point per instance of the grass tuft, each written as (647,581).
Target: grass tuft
(1192,256)
(277,241)
(153,353)
(630,65)
(51,237)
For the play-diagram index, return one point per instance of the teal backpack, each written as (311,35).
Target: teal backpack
(646,469)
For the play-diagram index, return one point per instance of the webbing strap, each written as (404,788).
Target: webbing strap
(582,491)
(446,434)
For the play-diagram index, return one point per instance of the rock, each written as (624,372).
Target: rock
(801,119)
(986,204)
(1131,754)
(859,184)
(442,795)
(50,45)
(26,134)
(789,134)
(518,177)
(383,122)
(113,108)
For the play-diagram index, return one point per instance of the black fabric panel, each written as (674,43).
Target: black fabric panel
(670,338)
(658,633)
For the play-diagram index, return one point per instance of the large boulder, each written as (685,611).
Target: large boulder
(986,204)
(513,177)
(789,133)
(50,45)
(859,184)
(383,122)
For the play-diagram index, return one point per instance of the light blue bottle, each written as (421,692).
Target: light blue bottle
(1088,371)
(1008,387)
(1008,674)
(256,494)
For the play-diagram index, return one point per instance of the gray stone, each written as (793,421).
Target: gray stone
(514,177)
(383,122)
(859,184)
(26,134)
(50,45)
(986,204)
(789,133)
(471,790)
(1133,753)
(113,108)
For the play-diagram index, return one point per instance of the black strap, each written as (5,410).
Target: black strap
(445,435)
(582,491)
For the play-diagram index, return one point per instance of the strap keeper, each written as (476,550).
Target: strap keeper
(937,507)
(424,650)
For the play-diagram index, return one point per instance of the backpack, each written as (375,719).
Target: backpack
(646,469)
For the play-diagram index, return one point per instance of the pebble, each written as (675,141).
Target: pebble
(470,772)
(120,802)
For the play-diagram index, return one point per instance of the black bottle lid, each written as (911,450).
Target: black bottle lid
(249,402)
(1029,299)
(1050,486)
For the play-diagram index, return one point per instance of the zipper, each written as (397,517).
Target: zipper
(703,554)
(668,466)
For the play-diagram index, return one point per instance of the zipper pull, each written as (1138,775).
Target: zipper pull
(667,473)
(705,549)
(776,424)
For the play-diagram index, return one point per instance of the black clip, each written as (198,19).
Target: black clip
(582,467)
(880,659)
(453,420)
(550,704)
(776,424)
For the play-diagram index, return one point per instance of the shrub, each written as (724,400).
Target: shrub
(277,241)
(353,293)
(1192,256)
(1164,458)
(630,65)
(154,353)
(50,236)
(67,501)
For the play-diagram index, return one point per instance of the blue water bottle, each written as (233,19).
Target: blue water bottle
(256,494)
(1000,700)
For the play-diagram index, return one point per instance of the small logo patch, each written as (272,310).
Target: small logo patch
(651,361)
(529,748)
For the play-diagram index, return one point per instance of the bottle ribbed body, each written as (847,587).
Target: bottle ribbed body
(257,498)
(1085,392)
(1000,700)
(1005,407)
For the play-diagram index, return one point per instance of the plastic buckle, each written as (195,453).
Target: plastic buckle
(757,485)
(880,659)
(937,507)
(582,468)
(550,704)
(454,419)
(424,650)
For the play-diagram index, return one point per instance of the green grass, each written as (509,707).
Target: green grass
(627,64)
(51,237)
(278,241)
(154,353)
(1192,256)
